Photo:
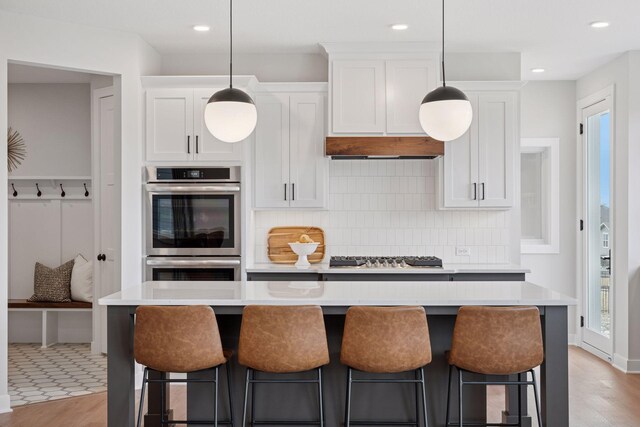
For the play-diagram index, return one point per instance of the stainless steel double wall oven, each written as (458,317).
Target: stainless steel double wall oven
(193,223)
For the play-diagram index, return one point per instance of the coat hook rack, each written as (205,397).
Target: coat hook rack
(62,193)
(15,192)
(86,192)
(39,193)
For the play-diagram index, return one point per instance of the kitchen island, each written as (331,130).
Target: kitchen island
(383,401)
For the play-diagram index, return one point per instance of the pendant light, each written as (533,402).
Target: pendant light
(230,114)
(445,113)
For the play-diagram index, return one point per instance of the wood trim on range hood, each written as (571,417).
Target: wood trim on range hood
(383,147)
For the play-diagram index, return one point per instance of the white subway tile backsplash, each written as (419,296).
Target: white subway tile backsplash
(388,207)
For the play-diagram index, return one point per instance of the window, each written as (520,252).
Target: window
(605,240)
(539,195)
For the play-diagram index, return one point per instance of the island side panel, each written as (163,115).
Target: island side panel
(120,367)
(555,369)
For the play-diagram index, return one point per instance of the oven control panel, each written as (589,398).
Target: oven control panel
(163,174)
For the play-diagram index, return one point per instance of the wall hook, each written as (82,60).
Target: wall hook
(15,192)
(62,194)
(86,192)
(39,193)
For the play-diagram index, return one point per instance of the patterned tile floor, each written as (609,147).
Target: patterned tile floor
(63,370)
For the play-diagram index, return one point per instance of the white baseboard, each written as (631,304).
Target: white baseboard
(573,339)
(5,403)
(628,366)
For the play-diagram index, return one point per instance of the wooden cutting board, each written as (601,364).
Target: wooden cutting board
(279,238)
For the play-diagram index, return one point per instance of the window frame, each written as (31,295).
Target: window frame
(550,245)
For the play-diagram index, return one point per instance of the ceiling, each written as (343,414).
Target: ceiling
(552,34)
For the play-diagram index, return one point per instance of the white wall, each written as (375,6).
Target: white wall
(388,207)
(490,66)
(626,175)
(54,121)
(548,109)
(266,67)
(41,41)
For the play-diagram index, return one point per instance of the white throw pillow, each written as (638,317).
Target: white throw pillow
(82,280)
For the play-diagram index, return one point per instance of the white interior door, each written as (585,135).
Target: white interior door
(598,228)
(104,197)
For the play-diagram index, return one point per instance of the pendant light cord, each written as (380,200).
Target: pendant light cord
(231,43)
(444,80)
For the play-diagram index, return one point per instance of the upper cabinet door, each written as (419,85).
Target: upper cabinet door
(169,125)
(272,189)
(358,96)
(208,147)
(460,170)
(496,142)
(308,166)
(407,82)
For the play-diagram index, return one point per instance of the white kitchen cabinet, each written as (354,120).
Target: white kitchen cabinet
(407,82)
(290,167)
(477,168)
(169,124)
(380,96)
(358,96)
(176,130)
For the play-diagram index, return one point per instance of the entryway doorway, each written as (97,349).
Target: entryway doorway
(597,226)
(63,235)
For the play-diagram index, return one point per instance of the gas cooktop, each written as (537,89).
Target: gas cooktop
(386,261)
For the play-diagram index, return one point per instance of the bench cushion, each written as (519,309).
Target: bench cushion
(23,303)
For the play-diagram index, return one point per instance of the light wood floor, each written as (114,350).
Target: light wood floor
(600,396)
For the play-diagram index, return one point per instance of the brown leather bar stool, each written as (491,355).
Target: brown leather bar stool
(281,340)
(386,340)
(496,341)
(181,340)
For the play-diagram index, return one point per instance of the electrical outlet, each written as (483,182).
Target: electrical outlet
(463,251)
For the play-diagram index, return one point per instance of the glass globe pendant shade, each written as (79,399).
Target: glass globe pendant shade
(445,113)
(230,115)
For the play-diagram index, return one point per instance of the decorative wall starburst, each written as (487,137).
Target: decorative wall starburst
(16,149)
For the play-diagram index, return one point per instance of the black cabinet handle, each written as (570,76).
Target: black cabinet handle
(285,191)
(483,191)
(197,150)
(102,257)
(188,144)
(475,191)
(293,191)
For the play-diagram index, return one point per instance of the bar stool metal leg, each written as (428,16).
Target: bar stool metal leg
(424,400)
(320,397)
(447,419)
(144,386)
(246,395)
(460,383)
(215,399)
(535,394)
(253,397)
(228,368)
(519,400)
(347,413)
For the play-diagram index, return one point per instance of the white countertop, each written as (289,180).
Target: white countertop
(323,268)
(341,294)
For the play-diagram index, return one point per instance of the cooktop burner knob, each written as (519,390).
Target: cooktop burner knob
(386,264)
(404,264)
(394,263)
(368,264)
(377,263)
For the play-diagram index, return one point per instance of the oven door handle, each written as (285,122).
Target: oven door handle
(193,263)
(162,188)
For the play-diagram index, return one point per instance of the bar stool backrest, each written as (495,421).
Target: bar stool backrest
(386,339)
(497,340)
(177,339)
(282,339)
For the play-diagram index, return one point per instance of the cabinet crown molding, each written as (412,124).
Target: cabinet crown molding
(386,48)
(243,82)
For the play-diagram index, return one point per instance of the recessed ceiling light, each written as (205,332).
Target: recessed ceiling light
(537,70)
(201,28)
(599,24)
(399,27)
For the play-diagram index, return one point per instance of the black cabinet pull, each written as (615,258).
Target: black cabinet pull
(102,257)
(188,144)
(293,191)
(483,191)
(285,191)
(475,191)
(197,150)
